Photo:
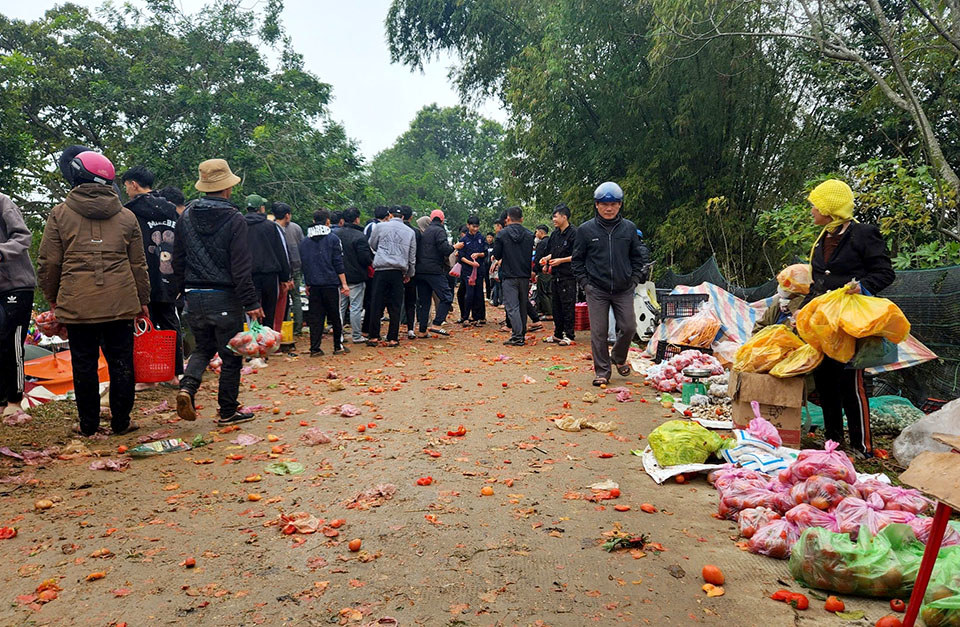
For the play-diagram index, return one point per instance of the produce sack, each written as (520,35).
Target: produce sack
(753,518)
(774,539)
(822,492)
(805,516)
(921,528)
(858,516)
(873,352)
(683,442)
(829,463)
(818,323)
(740,496)
(721,478)
(765,349)
(761,428)
(883,566)
(889,415)
(259,341)
(699,330)
(895,497)
(801,361)
(869,316)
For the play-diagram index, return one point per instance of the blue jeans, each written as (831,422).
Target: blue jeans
(352,306)
(427,285)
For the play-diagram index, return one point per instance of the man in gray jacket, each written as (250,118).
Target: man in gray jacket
(394,263)
(17,281)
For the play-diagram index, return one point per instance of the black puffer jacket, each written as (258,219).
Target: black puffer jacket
(357,255)
(158,222)
(513,246)
(266,246)
(210,250)
(608,257)
(433,249)
(860,254)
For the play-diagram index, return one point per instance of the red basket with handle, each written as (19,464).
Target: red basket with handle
(154,353)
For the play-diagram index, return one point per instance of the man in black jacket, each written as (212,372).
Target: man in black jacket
(433,250)
(158,222)
(271,266)
(513,246)
(558,258)
(357,258)
(212,265)
(608,265)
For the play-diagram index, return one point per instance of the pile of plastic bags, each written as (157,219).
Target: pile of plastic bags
(766,349)
(833,322)
(668,376)
(819,490)
(259,341)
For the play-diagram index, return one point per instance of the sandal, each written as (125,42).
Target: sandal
(600,381)
(536,326)
(438,331)
(624,370)
(390,344)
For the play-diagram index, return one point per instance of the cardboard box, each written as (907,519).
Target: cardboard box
(780,401)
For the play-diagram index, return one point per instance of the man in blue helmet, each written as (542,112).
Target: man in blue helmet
(608,264)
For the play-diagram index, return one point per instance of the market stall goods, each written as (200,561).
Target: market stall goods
(767,348)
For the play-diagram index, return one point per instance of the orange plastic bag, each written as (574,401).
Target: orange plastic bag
(869,316)
(765,349)
(801,361)
(796,278)
(699,330)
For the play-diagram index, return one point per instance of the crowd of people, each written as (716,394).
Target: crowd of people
(102,264)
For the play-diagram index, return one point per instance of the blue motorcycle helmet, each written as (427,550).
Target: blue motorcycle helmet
(639,233)
(608,192)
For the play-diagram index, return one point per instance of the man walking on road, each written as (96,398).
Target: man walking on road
(265,241)
(394,264)
(513,247)
(212,263)
(608,264)
(357,258)
(564,292)
(283,217)
(432,275)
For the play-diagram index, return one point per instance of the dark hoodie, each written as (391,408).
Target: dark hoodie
(210,250)
(433,249)
(265,241)
(91,261)
(158,222)
(321,256)
(357,255)
(513,245)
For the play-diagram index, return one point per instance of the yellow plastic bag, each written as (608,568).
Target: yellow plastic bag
(869,316)
(765,349)
(796,278)
(801,361)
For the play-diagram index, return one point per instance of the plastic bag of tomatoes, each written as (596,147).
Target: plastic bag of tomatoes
(941,604)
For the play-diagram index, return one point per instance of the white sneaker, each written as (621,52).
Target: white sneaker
(411,335)
(565,341)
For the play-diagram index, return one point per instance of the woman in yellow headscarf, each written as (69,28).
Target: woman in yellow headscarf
(845,253)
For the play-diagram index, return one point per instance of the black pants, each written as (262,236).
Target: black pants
(268,291)
(410,304)
(165,317)
(564,295)
(473,299)
(17,307)
(214,317)
(462,297)
(545,294)
(368,307)
(429,285)
(116,340)
(387,292)
(842,391)
(324,303)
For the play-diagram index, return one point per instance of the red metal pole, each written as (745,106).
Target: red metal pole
(940,519)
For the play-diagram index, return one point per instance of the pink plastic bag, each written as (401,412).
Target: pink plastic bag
(754,518)
(805,516)
(822,492)
(775,539)
(760,428)
(828,463)
(896,498)
(921,528)
(744,494)
(723,477)
(854,514)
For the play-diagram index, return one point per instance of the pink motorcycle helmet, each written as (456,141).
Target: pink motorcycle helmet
(92,167)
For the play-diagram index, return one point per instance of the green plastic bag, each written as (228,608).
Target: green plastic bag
(683,442)
(941,604)
(873,352)
(884,566)
(285,468)
(889,415)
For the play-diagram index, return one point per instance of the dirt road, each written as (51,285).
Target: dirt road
(442,554)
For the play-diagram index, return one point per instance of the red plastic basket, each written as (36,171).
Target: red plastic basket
(154,353)
(581,317)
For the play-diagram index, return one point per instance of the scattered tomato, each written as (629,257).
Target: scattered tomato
(276,450)
(354,545)
(43,504)
(189,562)
(253,496)
(371,425)
(459,432)
(648,508)
(7,532)
(834,604)
(424,480)
(622,508)
(361,428)
(121,449)
(712,590)
(615,493)
(712,574)
(889,621)
(336,523)
(486,491)
(304,423)
(252,478)
(504,384)
(272,438)
(781,595)
(897,605)
(799,601)
(97,575)
(680,479)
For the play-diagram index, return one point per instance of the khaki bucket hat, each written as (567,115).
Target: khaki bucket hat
(215,176)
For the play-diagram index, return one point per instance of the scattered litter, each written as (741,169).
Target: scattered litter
(374,497)
(110,464)
(246,439)
(661,474)
(299,522)
(17,418)
(589,397)
(605,485)
(285,468)
(625,541)
(315,436)
(160,434)
(174,445)
(569,423)
(162,407)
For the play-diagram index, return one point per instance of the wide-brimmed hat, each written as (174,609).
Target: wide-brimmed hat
(215,176)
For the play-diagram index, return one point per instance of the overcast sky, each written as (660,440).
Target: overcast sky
(344,43)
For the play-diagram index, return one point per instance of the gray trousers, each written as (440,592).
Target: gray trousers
(515,292)
(296,303)
(599,302)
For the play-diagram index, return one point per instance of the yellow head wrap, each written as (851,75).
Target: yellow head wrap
(832,198)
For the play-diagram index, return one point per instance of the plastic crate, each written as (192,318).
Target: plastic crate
(681,305)
(581,317)
(666,350)
(931,405)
